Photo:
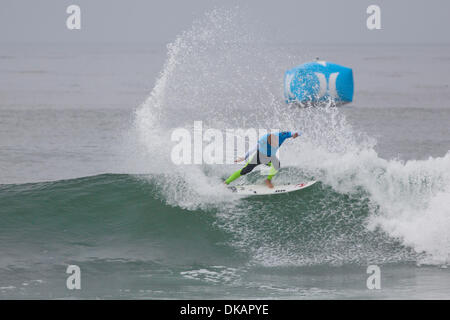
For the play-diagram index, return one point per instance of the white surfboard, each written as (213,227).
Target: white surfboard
(264,190)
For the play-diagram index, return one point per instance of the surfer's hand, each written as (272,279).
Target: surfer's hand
(240,159)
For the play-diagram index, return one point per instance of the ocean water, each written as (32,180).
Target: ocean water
(86,177)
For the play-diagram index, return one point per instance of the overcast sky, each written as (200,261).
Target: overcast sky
(318,21)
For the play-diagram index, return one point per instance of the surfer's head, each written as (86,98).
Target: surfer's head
(296,134)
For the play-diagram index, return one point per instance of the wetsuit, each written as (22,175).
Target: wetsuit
(265,154)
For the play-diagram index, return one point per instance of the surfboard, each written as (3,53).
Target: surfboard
(260,190)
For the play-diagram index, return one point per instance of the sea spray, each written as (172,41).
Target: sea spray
(218,73)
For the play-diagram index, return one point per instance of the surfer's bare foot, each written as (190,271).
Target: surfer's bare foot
(269,184)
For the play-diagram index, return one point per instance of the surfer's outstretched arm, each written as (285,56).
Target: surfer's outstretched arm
(250,152)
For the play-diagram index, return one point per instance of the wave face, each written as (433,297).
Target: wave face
(101,217)
(126,217)
(125,235)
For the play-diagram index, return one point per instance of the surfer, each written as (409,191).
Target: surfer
(266,150)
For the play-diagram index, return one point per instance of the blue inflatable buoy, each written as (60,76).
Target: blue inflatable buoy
(318,81)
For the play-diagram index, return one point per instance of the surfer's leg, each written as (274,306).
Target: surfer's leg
(274,167)
(250,165)
(268,161)
(248,168)
(233,177)
(272,172)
